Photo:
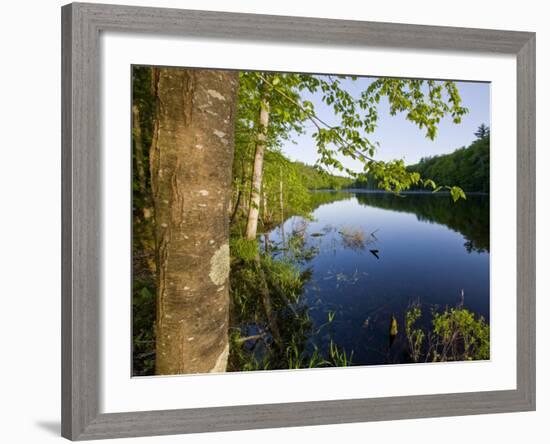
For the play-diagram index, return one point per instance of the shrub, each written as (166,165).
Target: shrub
(456,335)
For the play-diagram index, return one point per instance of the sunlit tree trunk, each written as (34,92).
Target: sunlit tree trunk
(257,172)
(191,164)
(254,211)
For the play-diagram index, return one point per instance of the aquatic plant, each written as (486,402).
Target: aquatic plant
(352,238)
(415,336)
(393,329)
(459,336)
(339,357)
(456,335)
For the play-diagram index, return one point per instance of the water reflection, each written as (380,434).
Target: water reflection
(372,255)
(468,217)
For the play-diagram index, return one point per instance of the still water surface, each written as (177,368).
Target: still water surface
(418,248)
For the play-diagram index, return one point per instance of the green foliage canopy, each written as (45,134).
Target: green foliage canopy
(424,102)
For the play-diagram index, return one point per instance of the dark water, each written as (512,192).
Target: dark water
(418,248)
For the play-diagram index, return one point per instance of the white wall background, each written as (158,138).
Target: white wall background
(30,220)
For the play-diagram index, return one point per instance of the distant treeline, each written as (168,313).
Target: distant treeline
(315,179)
(467,167)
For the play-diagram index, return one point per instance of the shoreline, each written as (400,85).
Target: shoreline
(366,191)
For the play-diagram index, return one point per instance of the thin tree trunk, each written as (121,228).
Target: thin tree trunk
(265,216)
(191,164)
(138,146)
(246,188)
(138,155)
(239,193)
(254,211)
(237,203)
(266,242)
(281,204)
(257,172)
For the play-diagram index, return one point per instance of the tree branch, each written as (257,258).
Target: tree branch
(312,116)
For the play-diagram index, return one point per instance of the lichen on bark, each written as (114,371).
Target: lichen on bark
(219,265)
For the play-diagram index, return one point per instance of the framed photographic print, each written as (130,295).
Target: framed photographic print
(278,221)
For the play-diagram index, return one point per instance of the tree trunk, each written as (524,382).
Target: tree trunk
(281,204)
(265,216)
(257,172)
(266,242)
(240,191)
(138,146)
(191,164)
(140,162)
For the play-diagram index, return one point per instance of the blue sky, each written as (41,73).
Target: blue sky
(399,138)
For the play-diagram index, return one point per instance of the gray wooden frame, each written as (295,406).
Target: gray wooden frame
(81,166)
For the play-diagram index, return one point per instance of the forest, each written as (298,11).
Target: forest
(223,248)
(466,167)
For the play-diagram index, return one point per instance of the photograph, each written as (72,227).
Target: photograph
(274,222)
(286,221)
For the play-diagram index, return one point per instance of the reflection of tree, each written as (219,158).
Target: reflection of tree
(253,344)
(314,201)
(318,198)
(468,217)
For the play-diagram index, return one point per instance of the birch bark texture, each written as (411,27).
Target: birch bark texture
(257,172)
(191,162)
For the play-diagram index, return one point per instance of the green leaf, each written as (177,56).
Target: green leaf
(457,193)
(430,182)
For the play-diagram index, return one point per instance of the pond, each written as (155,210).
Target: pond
(374,254)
